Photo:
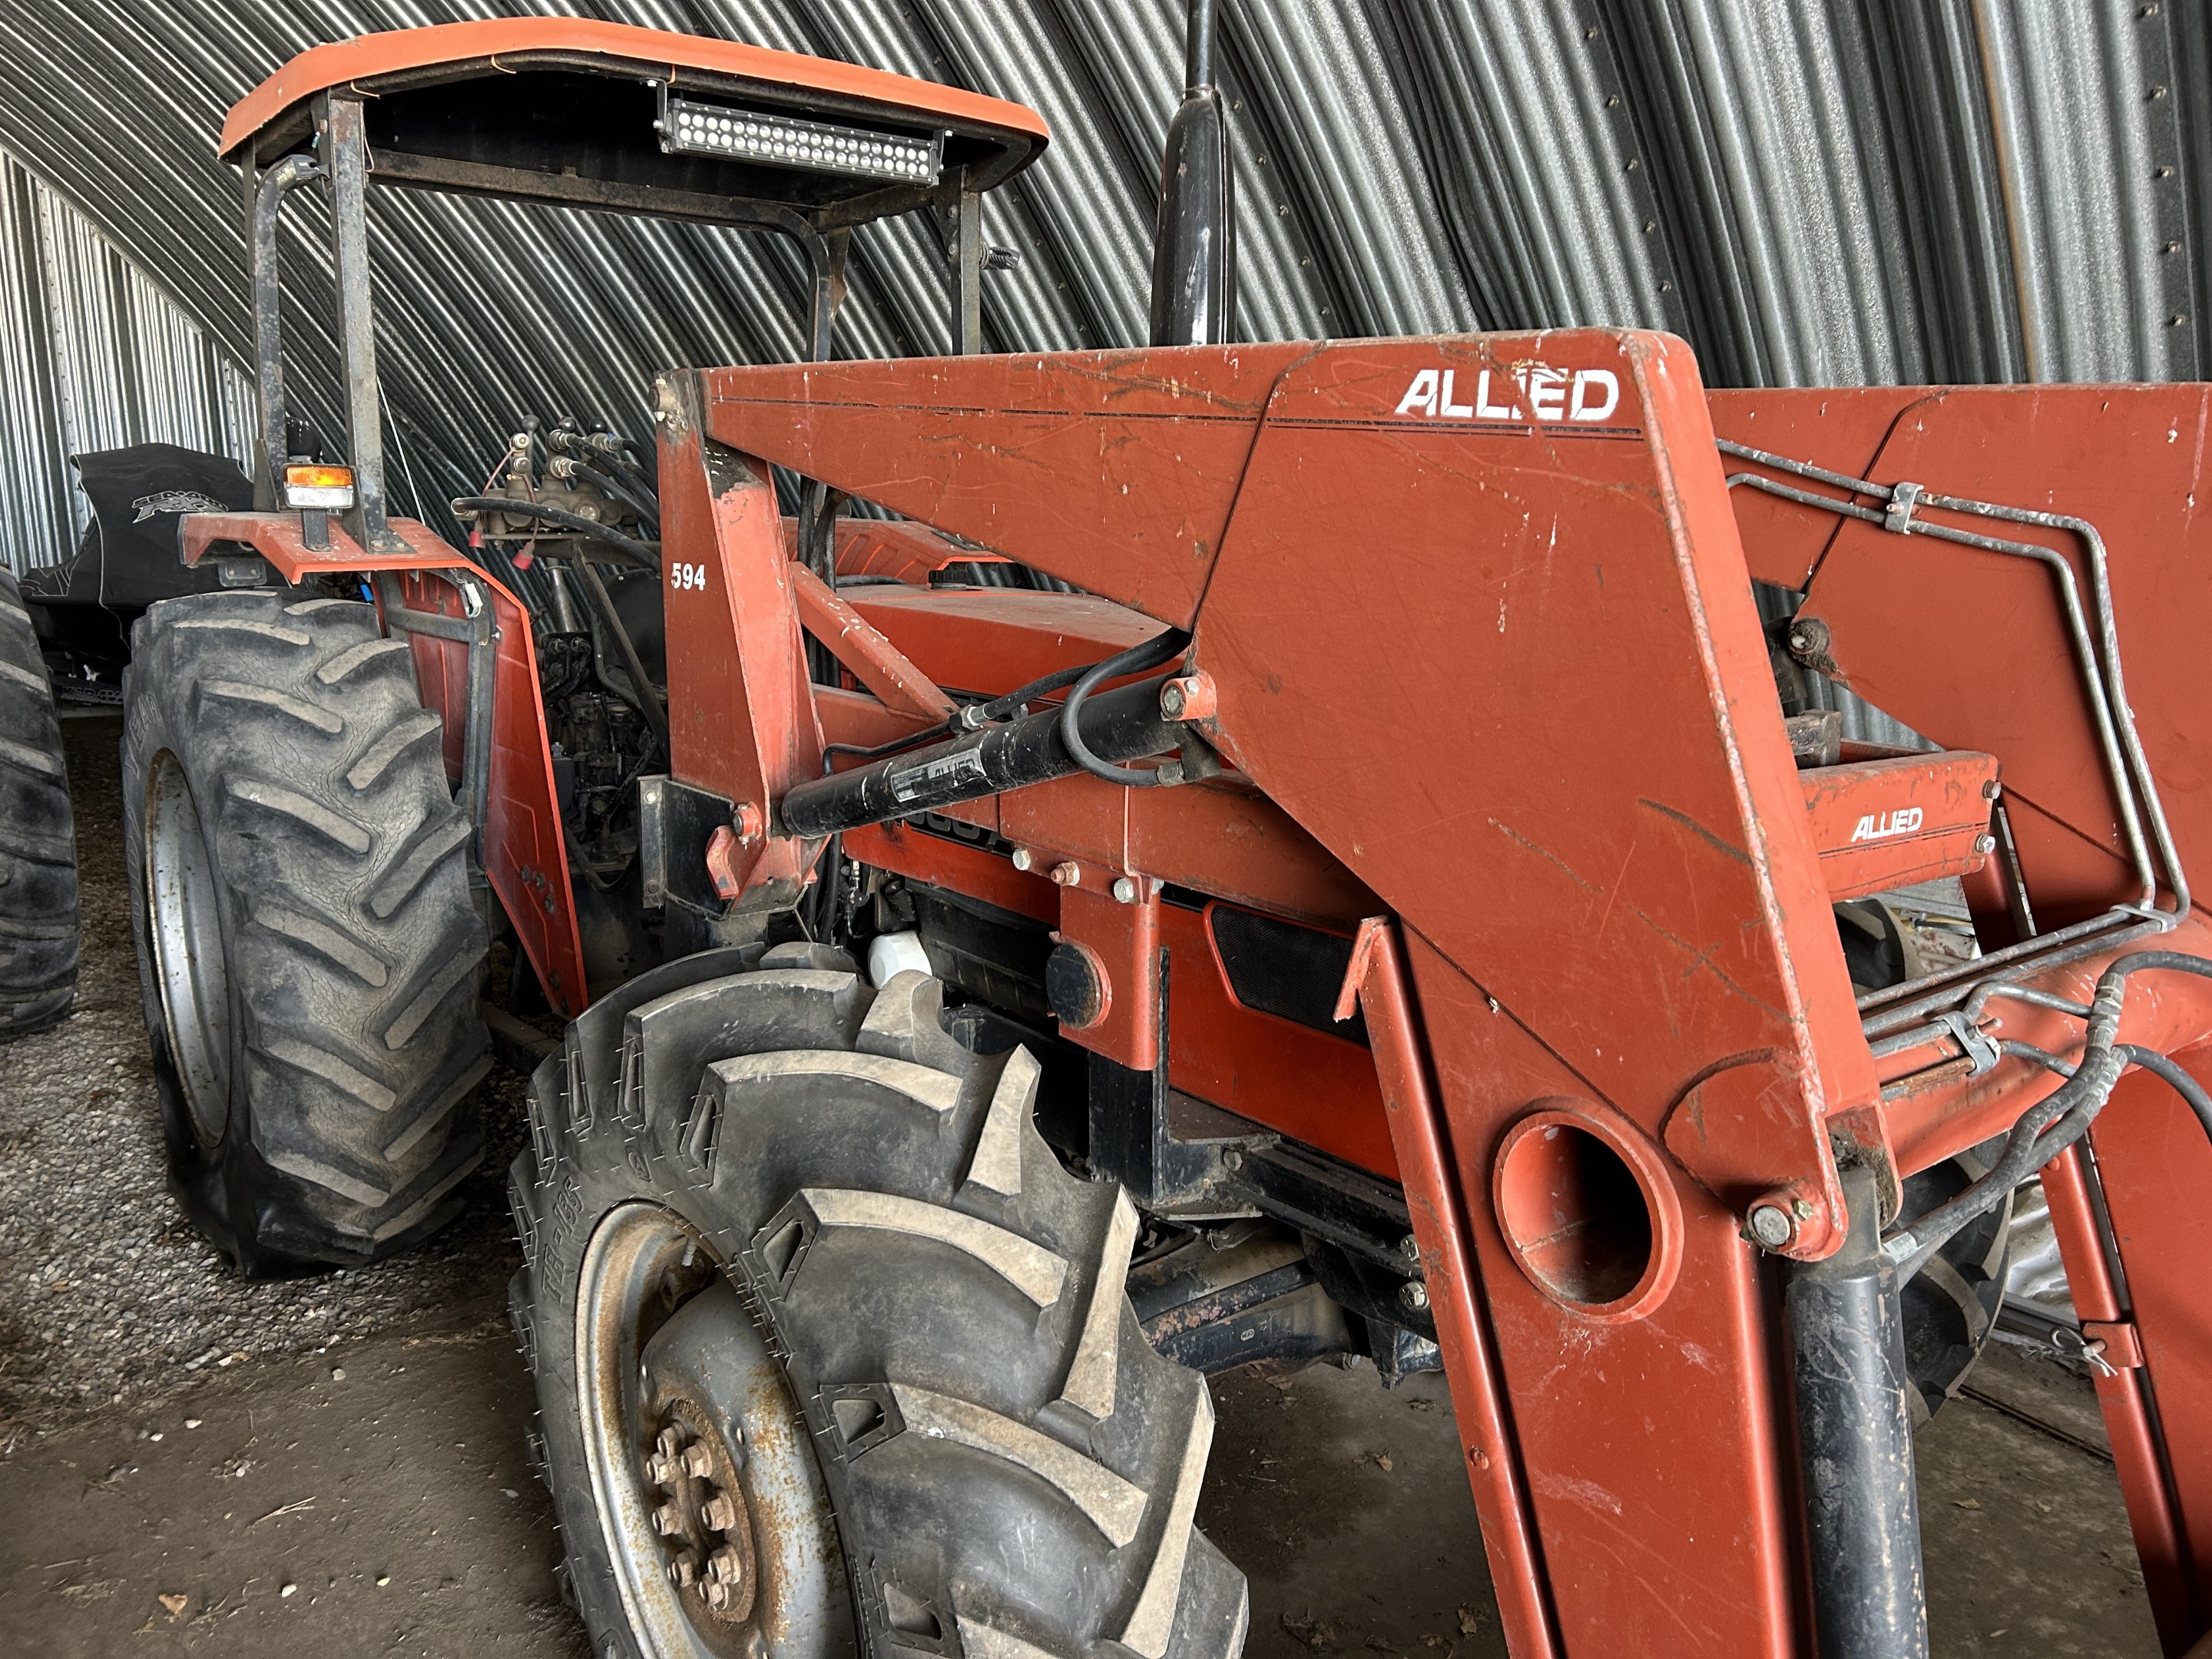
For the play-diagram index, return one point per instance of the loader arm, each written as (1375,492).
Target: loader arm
(1477,620)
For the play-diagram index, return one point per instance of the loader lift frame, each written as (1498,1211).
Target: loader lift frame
(1475,690)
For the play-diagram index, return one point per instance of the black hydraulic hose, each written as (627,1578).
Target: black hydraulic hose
(2162,1067)
(2071,1106)
(636,551)
(1001,707)
(2065,1114)
(641,502)
(602,458)
(1162,647)
(877,751)
(648,701)
(2159,1066)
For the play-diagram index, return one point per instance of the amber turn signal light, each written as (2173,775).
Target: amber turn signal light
(329,488)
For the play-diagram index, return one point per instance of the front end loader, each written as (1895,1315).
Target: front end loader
(1070,871)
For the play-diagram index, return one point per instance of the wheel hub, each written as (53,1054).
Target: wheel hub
(704,1520)
(715,1516)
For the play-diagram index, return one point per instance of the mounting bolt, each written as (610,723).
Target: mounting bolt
(698,1461)
(1191,697)
(1770,1226)
(1809,642)
(1413,1296)
(1125,891)
(720,1513)
(1985,844)
(748,823)
(1068,874)
(1023,858)
(1410,1247)
(1992,789)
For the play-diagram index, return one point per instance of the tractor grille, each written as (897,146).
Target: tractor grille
(1279,968)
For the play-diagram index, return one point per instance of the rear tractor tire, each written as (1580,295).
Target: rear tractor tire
(307,945)
(832,1355)
(39,930)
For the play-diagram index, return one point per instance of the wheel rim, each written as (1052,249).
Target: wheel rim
(185,917)
(717,1523)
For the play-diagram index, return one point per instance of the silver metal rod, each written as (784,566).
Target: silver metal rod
(1894,1018)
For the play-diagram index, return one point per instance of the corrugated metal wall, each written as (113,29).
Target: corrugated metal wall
(94,354)
(1810,191)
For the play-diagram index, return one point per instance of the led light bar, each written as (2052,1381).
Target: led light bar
(778,141)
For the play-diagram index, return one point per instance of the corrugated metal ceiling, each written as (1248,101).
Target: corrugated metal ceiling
(1837,192)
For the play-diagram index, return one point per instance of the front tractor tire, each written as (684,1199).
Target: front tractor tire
(832,1356)
(307,945)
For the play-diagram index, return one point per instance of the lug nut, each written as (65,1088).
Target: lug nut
(661,1471)
(718,1596)
(698,1461)
(683,1570)
(726,1566)
(720,1513)
(1413,1296)
(1770,1226)
(1068,874)
(668,1443)
(668,1521)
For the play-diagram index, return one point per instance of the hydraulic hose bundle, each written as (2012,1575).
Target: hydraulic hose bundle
(2062,1117)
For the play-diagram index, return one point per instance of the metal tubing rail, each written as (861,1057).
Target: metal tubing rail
(2108,709)
(268,313)
(1894,1018)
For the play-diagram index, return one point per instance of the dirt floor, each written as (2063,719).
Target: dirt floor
(192,1464)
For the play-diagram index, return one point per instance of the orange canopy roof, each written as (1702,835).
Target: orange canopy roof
(404,54)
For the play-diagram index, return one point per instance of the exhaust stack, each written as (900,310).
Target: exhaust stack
(1194,242)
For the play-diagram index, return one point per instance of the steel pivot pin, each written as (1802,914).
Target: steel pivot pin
(1770,1226)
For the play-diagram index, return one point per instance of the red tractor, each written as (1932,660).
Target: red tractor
(1347,857)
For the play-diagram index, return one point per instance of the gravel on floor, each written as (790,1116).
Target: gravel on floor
(107,1295)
